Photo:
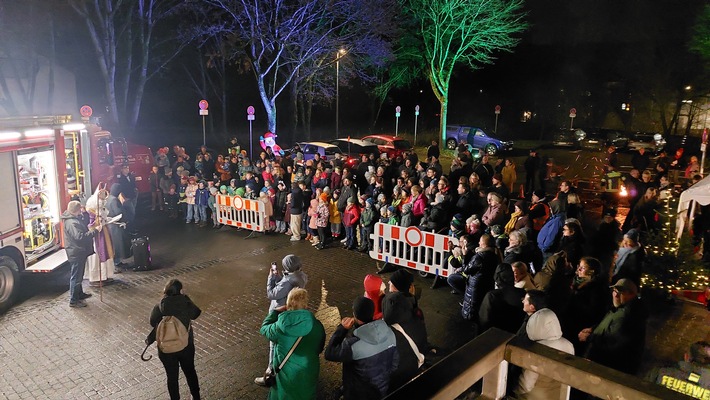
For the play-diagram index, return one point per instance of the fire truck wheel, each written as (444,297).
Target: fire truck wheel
(8,282)
(424,274)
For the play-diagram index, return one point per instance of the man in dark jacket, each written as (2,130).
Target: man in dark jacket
(502,307)
(618,341)
(532,166)
(127,180)
(400,311)
(369,356)
(79,244)
(297,202)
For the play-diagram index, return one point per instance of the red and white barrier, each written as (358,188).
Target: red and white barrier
(240,212)
(412,248)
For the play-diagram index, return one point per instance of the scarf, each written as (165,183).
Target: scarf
(510,226)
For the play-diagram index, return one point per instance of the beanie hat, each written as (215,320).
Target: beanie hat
(326,189)
(370,201)
(498,177)
(363,309)
(240,192)
(337,191)
(406,207)
(402,280)
(251,186)
(496,230)
(213,190)
(351,200)
(223,187)
(391,209)
(324,197)
(457,222)
(539,193)
(381,197)
(291,263)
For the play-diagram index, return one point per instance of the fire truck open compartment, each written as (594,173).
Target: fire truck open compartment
(40,199)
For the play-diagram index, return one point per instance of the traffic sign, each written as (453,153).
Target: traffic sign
(86,111)
(497,109)
(705,135)
(204,112)
(204,104)
(572,112)
(398,109)
(416,110)
(250,110)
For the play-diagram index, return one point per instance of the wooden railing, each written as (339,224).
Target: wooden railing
(487,356)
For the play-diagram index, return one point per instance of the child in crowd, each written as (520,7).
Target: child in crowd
(406,220)
(368,218)
(335,217)
(190,193)
(268,210)
(351,217)
(375,291)
(212,203)
(312,227)
(182,197)
(280,201)
(392,217)
(171,202)
(232,189)
(202,197)
(322,219)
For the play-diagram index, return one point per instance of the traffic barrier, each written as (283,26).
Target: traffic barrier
(240,212)
(412,248)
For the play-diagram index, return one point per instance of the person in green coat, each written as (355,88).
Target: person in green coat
(299,376)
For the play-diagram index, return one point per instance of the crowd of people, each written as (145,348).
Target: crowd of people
(520,260)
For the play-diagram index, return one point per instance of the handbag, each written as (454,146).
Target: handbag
(270,376)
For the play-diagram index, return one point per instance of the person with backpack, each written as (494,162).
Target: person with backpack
(171,320)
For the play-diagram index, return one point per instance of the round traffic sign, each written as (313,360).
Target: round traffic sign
(573,111)
(238,202)
(86,111)
(416,108)
(204,104)
(413,236)
(498,108)
(398,109)
(250,110)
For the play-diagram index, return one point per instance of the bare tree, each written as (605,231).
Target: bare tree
(290,43)
(132,40)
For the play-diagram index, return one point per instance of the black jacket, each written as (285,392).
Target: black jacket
(179,306)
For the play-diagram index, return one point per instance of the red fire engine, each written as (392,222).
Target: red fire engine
(44,163)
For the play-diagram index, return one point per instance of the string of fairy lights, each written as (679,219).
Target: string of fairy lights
(674,267)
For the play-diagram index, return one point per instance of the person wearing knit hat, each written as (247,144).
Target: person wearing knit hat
(401,281)
(361,343)
(375,291)
(458,225)
(277,288)
(240,192)
(323,196)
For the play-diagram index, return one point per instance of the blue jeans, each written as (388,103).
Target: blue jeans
(203,213)
(75,278)
(350,236)
(192,210)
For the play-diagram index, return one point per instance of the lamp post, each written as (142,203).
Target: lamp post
(338,56)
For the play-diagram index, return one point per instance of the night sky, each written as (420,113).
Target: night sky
(584,54)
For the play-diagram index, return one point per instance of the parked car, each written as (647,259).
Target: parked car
(354,149)
(326,150)
(653,142)
(594,140)
(475,137)
(392,145)
(566,137)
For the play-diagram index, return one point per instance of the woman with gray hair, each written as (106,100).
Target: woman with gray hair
(277,290)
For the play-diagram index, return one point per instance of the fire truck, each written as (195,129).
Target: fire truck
(45,162)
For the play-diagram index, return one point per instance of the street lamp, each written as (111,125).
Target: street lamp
(338,56)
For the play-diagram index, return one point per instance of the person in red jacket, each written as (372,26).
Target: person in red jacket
(351,217)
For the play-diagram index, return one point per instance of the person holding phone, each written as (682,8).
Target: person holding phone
(278,287)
